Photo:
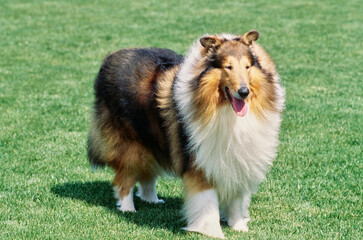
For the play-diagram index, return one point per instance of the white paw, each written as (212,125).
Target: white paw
(125,207)
(240,225)
(150,199)
(215,232)
(159,201)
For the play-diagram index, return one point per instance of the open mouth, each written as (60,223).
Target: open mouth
(238,104)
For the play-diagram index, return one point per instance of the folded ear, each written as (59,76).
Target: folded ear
(210,42)
(250,37)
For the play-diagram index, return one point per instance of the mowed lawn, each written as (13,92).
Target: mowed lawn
(51,52)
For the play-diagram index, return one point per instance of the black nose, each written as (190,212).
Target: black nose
(243,92)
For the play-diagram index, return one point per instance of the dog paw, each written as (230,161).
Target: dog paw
(150,199)
(161,201)
(215,232)
(125,207)
(240,225)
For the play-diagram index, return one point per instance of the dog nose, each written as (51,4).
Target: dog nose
(243,92)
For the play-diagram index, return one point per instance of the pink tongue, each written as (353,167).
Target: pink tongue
(239,106)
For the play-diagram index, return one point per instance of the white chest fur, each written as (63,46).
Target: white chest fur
(235,152)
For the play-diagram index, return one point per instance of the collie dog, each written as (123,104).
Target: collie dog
(211,118)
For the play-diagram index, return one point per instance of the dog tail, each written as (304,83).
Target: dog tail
(93,155)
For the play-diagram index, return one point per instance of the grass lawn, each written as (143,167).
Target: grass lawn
(51,52)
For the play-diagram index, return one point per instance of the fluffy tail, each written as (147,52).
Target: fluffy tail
(93,155)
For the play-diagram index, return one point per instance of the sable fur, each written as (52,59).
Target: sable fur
(156,111)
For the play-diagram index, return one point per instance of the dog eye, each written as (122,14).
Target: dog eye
(229,67)
(247,67)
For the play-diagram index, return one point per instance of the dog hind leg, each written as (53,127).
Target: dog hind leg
(123,188)
(147,191)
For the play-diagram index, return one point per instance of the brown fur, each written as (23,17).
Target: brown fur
(208,95)
(195,182)
(167,111)
(263,95)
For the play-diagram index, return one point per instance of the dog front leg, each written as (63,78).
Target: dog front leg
(201,208)
(237,213)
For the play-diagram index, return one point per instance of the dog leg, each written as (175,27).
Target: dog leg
(126,204)
(201,208)
(147,192)
(245,205)
(238,215)
(202,214)
(124,186)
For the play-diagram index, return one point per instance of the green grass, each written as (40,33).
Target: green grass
(51,52)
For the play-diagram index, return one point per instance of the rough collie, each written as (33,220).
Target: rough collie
(211,118)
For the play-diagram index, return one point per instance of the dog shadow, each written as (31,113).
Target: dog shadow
(100,193)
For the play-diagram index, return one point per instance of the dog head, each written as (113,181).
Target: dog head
(234,61)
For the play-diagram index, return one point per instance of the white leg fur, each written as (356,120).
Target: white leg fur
(245,205)
(202,214)
(147,192)
(238,215)
(127,203)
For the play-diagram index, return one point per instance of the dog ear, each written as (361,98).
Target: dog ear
(210,42)
(250,37)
